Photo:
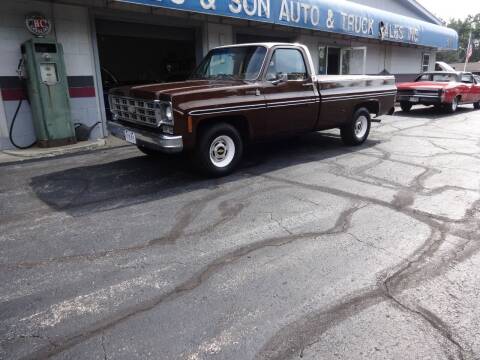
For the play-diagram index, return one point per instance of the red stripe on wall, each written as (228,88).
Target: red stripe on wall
(14,94)
(81,92)
(21,94)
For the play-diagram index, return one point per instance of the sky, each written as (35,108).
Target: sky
(447,9)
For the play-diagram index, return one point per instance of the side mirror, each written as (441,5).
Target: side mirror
(281,78)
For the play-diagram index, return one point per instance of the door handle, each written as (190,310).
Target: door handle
(309,84)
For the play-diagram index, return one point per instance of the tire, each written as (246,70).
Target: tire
(149,152)
(219,150)
(453,106)
(406,106)
(357,131)
(476,105)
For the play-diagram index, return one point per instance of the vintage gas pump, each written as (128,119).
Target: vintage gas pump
(47,87)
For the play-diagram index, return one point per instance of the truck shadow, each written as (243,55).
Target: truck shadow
(432,113)
(139,179)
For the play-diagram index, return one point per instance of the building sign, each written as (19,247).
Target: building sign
(336,16)
(38,24)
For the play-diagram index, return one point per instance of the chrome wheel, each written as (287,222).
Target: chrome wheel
(455,104)
(222,151)
(361,126)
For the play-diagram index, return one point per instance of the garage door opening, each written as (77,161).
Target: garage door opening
(131,53)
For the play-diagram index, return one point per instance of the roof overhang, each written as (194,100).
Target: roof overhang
(331,16)
(417,7)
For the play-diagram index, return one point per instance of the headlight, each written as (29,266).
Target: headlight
(169,113)
(164,113)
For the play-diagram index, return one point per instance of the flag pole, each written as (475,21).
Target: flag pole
(467,54)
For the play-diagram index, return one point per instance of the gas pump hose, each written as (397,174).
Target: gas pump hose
(10,133)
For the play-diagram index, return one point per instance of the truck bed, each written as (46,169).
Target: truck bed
(341,94)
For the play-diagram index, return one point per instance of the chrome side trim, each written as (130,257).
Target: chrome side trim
(311,100)
(360,95)
(354,97)
(292,103)
(228,109)
(265,106)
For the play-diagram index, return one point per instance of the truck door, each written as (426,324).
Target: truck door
(291,97)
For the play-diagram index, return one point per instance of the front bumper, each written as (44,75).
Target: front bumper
(161,142)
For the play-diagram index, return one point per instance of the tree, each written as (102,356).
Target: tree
(463,28)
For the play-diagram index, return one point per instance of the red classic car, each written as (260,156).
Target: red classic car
(441,89)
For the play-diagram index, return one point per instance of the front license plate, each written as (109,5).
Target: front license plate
(413,99)
(130,137)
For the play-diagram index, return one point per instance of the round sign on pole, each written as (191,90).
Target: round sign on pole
(38,24)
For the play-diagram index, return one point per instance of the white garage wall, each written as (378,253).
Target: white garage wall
(72,25)
(312,43)
(376,60)
(13,31)
(72,30)
(12,34)
(215,35)
(406,60)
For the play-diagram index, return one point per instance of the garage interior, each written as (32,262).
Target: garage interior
(133,53)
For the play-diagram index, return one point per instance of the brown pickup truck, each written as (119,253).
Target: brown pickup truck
(246,93)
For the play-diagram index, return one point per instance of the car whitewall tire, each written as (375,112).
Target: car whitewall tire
(453,106)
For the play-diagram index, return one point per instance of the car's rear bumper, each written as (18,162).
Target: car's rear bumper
(420,99)
(161,142)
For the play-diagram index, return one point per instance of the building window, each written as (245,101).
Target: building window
(342,61)
(426,62)
(353,61)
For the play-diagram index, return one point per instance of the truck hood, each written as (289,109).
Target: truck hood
(425,85)
(169,90)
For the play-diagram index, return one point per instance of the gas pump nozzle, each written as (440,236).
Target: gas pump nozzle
(20,68)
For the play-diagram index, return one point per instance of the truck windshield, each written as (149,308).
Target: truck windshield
(238,63)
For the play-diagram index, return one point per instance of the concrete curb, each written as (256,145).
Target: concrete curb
(38,153)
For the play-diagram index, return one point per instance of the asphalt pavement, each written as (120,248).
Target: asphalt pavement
(311,250)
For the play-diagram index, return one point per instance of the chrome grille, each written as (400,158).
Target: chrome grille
(134,110)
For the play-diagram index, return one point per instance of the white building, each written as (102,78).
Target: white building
(108,43)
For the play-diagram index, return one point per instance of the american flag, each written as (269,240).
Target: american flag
(469,49)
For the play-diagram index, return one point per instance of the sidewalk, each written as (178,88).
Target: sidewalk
(15,155)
